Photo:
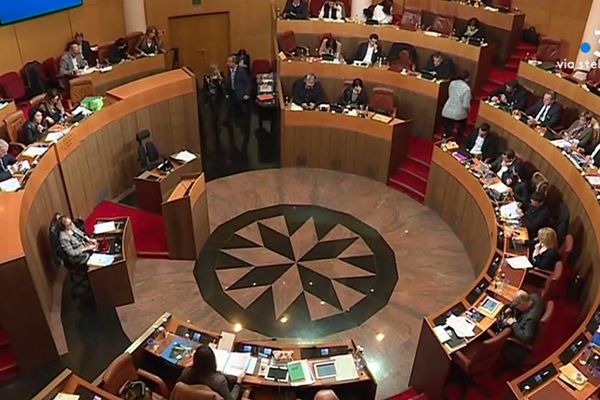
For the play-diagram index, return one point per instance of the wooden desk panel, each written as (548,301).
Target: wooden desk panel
(477,60)
(68,382)
(568,93)
(333,141)
(419,100)
(5,112)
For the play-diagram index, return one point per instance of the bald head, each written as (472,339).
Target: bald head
(326,395)
(3,147)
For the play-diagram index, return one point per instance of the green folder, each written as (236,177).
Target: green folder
(295,371)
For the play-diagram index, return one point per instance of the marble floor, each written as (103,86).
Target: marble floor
(337,255)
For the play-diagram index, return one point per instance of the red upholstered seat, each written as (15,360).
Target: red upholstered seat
(549,49)
(260,66)
(411,18)
(443,24)
(13,87)
(382,99)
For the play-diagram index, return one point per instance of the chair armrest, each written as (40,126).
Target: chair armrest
(161,387)
(462,360)
(246,394)
(518,342)
(540,272)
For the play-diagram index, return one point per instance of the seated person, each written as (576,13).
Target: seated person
(74,243)
(523,317)
(473,31)
(482,143)
(537,214)
(118,52)
(326,394)
(510,95)
(506,167)
(204,372)
(379,13)
(7,162)
(34,128)
(440,66)
(546,112)
(332,9)
(354,95)
(295,9)
(545,251)
(522,186)
(72,61)
(158,39)
(330,47)
(308,93)
(580,128)
(147,45)
(89,53)
(52,108)
(369,52)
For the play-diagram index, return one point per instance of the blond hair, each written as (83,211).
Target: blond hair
(539,182)
(548,238)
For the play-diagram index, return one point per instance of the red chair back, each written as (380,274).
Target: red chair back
(402,62)
(593,77)
(443,24)
(549,49)
(14,123)
(488,353)
(103,51)
(382,99)
(542,329)
(132,40)
(551,286)
(566,249)
(503,3)
(50,68)
(287,42)
(13,86)
(411,18)
(260,66)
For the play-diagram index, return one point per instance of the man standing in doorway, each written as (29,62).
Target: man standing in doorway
(238,91)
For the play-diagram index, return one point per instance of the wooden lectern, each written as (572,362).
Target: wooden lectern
(186,217)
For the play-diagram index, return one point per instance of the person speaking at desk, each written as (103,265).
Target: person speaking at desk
(308,92)
(354,95)
(147,45)
(330,49)
(332,9)
(483,143)
(368,52)
(72,61)
(6,162)
(75,243)
(295,9)
(34,128)
(204,372)
(89,52)
(440,66)
(473,32)
(545,113)
(379,13)
(511,96)
(506,167)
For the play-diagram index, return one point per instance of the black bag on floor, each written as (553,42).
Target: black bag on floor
(531,36)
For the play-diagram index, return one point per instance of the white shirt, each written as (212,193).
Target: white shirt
(75,65)
(369,54)
(337,7)
(476,150)
(596,151)
(541,116)
(380,16)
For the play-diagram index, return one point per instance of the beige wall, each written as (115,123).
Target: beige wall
(249,21)
(43,37)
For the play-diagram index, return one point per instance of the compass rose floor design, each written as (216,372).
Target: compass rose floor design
(311,255)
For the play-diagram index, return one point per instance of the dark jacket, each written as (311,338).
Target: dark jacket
(29,133)
(292,12)
(535,218)
(525,328)
(346,98)
(147,47)
(5,162)
(489,149)
(552,116)
(517,99)
(116,54)
(362,51)
(478,35)
(545,260)
(522,191)
(302,95)
(87,52)
(215,380)
(510,176)
(443,71)
(241,84)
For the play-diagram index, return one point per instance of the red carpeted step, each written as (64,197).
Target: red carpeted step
(415,168)
(410,182)
(499,76)
(420,149)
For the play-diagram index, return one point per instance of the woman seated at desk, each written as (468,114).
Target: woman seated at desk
(545,251)
(330,49)
(473,31)
(147,45)
(354,95)
(74,243)
(379,13)
(118,52)
(204,372)
(52,108)
(34,128)
(332,9)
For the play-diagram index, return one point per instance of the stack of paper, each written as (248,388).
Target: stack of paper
(34,151)
(221,356)
(10,185)
(101,260)
(510,211)
(65,396)
(104,227)
(184,156)
(54,136)
(499,187)
(461,325)
(573,376)
(520,262)
(299,373)
(344,367)
(295,107)
(593,180)
(441,334)
(236,364)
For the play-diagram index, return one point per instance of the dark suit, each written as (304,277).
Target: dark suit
(29,133)
(87,52)
(510,176)
(361,52)
(302,95)
(238,87)
(296,12)
(489,148)
(346,98)
(517,99)
(443,71)
(535,218)
(524,330)
(522,192)
(545,260)
(553,115)
(5,162)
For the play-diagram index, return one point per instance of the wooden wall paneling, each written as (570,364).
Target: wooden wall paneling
(99,20)
(161,116)
(43,37)
(191,128)
(9,47)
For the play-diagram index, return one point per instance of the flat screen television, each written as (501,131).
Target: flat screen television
(19,10)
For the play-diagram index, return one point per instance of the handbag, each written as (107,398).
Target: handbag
(531,36)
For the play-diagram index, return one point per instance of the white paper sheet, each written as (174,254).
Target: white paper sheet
(65,396)
(103,227)
(54,136)
(10,185)
(251,365)
(520,262)
(441,333)
(344,367)
(462,326)
(499,187)
(185,156)
(593,180)
(226,341)
(221,356)
(295,107)
(101,260)
(236,364)
(34,151)
(510,211)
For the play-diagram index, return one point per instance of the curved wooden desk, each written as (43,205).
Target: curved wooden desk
(476,60)
(419,100)
(471,215)
(356,145)
(95,161)
(568,93)
(584,210)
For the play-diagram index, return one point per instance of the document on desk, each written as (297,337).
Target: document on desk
(593,180)
(236,364)
(520,262)
(344,367)
(226,341)
(54,136)
(184,156)
(295,107)
(101,260)
(104,227)
(251,368)
(221,357)
(66,396)
(462,326)
(510,211)
(10,185)
(299,373)
(441,334)
(34,151)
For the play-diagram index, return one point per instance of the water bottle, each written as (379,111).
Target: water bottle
(587,353)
